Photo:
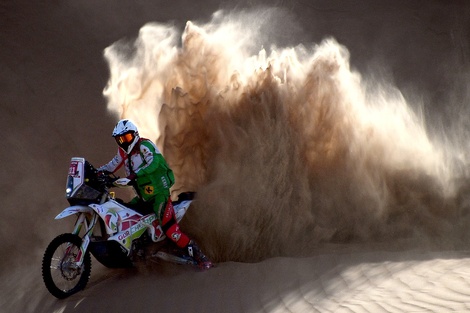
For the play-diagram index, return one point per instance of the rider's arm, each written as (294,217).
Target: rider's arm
(114,164)
(152,156)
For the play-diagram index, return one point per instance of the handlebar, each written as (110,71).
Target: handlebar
(107,178)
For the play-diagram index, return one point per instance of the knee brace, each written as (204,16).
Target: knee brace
(174,233)
(171,228)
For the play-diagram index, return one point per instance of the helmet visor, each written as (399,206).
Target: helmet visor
(124,140)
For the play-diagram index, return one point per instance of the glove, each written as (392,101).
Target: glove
(103,173)
(101,169)
(122,182)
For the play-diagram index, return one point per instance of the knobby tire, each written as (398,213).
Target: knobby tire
(61,279)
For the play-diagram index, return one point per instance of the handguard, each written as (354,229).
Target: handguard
(122,182)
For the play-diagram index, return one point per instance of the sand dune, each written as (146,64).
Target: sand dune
(51,81)
(356,281)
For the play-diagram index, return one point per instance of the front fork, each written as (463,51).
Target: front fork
(88,225)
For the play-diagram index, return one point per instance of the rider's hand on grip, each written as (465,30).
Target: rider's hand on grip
(122,182)
(102,174)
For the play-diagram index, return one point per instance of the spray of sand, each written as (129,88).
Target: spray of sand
(284,146)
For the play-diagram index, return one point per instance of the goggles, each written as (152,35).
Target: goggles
(124,139)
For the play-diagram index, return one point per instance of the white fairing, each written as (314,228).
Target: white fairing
(71,210)
(76,175)
(76,187)
(112,212)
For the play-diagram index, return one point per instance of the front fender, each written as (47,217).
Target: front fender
(74,209)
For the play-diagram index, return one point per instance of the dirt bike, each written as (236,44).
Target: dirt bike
(115,233)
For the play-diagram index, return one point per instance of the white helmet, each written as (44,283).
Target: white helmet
(126,135)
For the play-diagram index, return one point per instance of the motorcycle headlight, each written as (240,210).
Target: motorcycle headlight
(69,187)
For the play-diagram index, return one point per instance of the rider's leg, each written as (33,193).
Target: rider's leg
(170,226)
(173,232)
(195,252)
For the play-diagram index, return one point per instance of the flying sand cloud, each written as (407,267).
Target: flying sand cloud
(292,139)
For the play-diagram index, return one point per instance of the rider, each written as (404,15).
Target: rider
(152,178)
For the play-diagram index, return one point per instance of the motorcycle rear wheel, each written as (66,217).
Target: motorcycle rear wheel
(60,275)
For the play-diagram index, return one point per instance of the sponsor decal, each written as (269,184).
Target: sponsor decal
(168,213)
(111,220)
(149,218)
(146,220)
(148,190)
(136,227)
(176,236)
(124,236)
(73,169)
(164,182)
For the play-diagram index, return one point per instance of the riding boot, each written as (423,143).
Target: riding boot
(195,252)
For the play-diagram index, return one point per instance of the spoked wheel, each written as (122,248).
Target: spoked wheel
(60,273)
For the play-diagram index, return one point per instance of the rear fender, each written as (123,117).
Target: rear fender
(74,209)
(180,209)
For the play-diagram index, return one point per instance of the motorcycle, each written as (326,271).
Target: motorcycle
(115,233)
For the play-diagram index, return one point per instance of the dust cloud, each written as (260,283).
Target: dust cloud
(287,147)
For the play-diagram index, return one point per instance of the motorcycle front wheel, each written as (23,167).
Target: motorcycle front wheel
(60,273)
